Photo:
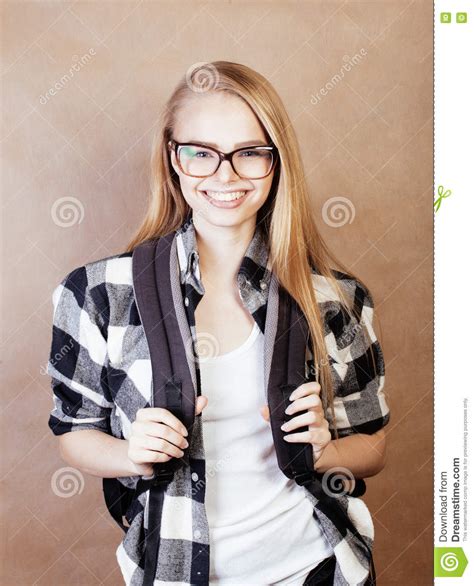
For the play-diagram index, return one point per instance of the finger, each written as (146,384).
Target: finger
(161,415)
(318,438)
(143,456)
(201,402)
(302,437)
(155,444)
(310,402)
(161,430)
(265,412)
(306,389)
(308,418)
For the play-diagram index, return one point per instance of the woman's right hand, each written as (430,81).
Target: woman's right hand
(157,436)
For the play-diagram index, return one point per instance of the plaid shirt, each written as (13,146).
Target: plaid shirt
(101,375)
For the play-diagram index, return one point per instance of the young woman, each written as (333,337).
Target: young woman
(229,183)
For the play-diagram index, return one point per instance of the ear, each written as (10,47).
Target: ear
(174,162)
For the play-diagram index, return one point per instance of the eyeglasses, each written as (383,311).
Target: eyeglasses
(198,160)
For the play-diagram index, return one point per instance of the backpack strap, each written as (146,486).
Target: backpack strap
(287,372)
(155,278)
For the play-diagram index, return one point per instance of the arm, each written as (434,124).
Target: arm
(362,454)
(361,410)
(97,453)
(82,401)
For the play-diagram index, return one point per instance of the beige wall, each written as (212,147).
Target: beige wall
(370,140)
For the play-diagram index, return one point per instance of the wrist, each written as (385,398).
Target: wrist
(328,458)
(133,468)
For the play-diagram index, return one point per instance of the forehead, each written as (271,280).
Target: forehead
(218,118)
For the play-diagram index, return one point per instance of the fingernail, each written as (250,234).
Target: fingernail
(185,432)
(186,444)
(292,396)
(284,427)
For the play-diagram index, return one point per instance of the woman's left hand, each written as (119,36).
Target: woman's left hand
(306,398)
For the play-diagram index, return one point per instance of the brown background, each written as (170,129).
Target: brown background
(369,140)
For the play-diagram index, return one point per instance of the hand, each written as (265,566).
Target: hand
(306,398)
(157,436)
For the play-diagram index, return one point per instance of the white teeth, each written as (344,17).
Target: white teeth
(226,196)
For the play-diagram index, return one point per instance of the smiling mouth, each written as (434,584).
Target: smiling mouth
(226,196)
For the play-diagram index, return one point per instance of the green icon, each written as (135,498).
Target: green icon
(445,17)
(442,194)
(449,562)
(461,17)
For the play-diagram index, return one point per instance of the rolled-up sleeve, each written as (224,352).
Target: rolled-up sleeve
(358,369)
(77,361)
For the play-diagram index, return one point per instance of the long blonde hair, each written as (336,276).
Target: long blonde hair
(294,242)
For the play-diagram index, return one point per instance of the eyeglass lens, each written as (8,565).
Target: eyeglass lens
(250,163)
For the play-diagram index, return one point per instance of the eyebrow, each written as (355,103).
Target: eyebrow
(237,145)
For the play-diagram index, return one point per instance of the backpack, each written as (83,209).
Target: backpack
(173,389)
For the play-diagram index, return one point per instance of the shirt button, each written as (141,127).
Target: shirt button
(186,301)
(194,476)
(263,285)
(197,534)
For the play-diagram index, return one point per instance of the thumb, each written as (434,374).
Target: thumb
(265,412)
(201,402)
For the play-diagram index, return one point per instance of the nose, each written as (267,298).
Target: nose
(225,172)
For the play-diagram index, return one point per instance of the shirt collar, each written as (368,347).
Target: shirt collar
(253,276)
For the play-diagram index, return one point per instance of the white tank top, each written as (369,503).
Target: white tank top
(262,529)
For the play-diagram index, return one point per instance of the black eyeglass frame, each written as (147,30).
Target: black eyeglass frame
(175,146)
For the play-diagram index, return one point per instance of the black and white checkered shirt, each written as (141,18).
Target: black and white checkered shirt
(101,375)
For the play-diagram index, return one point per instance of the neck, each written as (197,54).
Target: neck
(221,250)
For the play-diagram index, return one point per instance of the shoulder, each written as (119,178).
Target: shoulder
(113,269)
(335,317)
(97,285)
(355,291)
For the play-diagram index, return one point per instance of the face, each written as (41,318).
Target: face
(226,123)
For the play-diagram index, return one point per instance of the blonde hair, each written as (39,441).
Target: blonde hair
(294,242)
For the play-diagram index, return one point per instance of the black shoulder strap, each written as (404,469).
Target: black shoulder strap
(287,372)
(152,269)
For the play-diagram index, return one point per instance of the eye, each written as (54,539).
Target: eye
(251,153)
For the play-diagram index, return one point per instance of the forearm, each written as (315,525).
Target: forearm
(97,453)
(362,454)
